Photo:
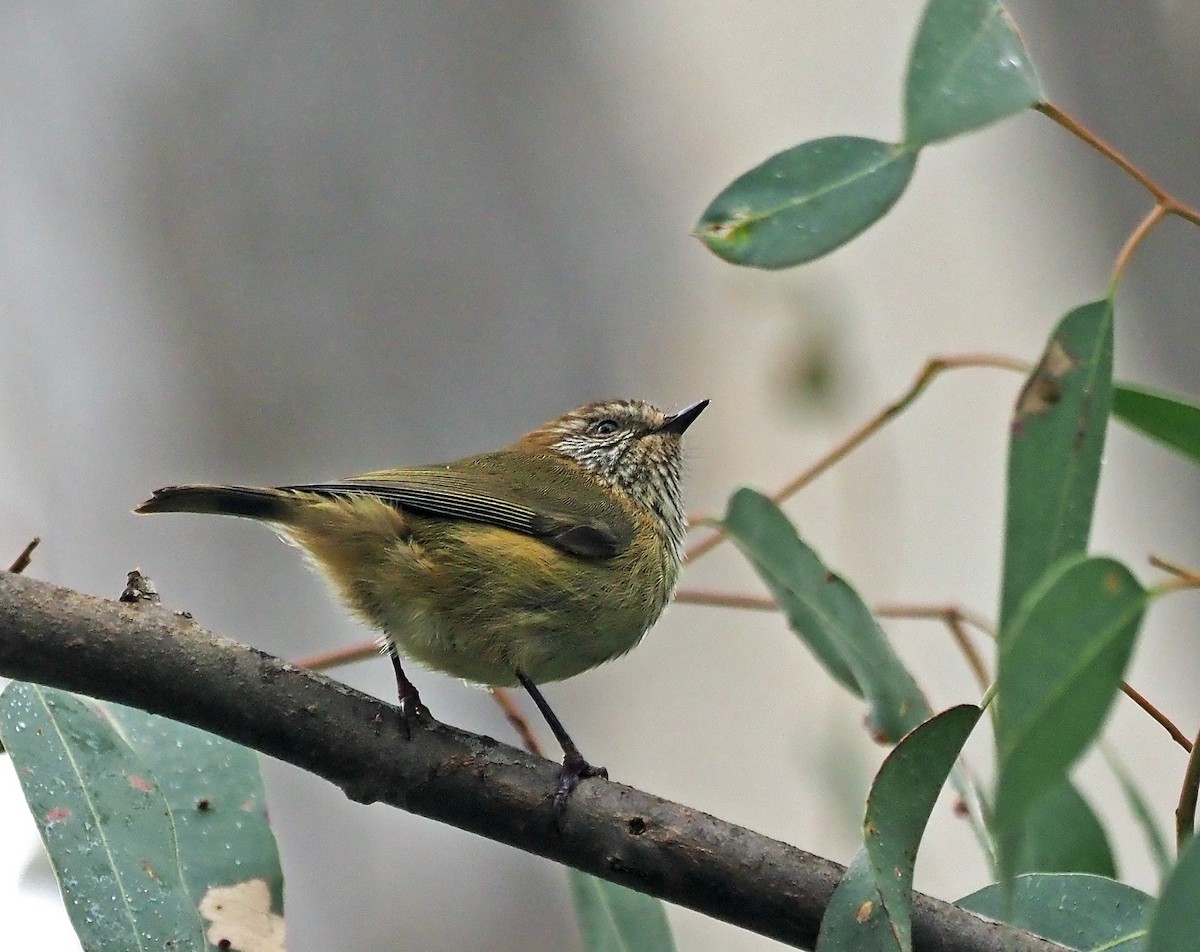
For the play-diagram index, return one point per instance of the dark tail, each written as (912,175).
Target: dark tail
(270,505)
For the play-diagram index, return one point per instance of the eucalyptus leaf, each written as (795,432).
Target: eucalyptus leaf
(1064,835)
(1055,446)
(1175,921)
(827,614)
(104,821)
(855,920)
(1080,910)
(968,68)
(613,918)
(900,802)
(1059,671)
(1156,843)
(804,202)
(1165,417)
(214,790)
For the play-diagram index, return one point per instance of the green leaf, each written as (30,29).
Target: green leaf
(1080,910)
(1054,452)
(900,802)
(214,791)
(827,614)
(1175,920)
(1170,419)
(104,821)
(615,919)
(1059,670)
(1155,841)
(806,201)
(854,920)
(968,68)
(1064,835)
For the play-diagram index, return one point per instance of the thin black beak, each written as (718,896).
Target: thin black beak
(678,422)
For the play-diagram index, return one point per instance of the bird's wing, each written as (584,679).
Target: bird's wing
(453,495)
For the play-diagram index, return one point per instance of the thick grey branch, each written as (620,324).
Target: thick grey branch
(145,656)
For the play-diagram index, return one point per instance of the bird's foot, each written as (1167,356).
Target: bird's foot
(574,768)
(412,711)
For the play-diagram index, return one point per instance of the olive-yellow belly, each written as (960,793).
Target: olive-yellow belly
(481,602)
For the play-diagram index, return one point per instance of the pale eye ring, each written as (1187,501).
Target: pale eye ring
(605,427)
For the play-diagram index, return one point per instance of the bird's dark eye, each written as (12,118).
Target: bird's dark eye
(605,427)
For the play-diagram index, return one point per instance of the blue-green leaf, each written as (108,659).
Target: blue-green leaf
(1156,843)
(1175,920)
(855,920)
(827,614)
(1064,835)
(1080,910)
(805,202)
(968,68)
(1170,419)
(1056,442)
(214,790)
(1060,668)
(615,919)
(900,802)
(104,821)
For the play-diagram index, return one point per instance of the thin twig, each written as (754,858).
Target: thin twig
(1190,576)
(336,657)
(937,612)
(695,596)
(1177,735)
(958,632)
(1172,205)
(1144,227)
(517,720)
(955,619)
(932,369)
(21,562)
(1185,813)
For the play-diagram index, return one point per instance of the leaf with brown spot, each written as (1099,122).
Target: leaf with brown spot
(901,800)
(1044,388)
(1055,447)
(854,920)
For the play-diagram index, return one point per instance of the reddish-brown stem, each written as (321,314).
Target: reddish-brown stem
(21,562)
(936,612)
(1188,576)
(324,660)
(932,369)
(1177,735)
(1185,813)
(954,618)
(517,720)
(1144,227)
(695,596)
(1171,204)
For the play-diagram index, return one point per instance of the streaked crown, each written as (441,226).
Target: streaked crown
(633,448)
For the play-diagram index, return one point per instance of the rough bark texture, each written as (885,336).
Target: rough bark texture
(148,657)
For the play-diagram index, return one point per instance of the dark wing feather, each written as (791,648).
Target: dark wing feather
(448,494)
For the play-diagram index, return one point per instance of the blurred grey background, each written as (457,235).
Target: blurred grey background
(280,242)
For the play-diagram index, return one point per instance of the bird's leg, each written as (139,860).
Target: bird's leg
(411,707)
(574,767)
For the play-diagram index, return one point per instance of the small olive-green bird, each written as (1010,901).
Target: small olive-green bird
(529,564)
